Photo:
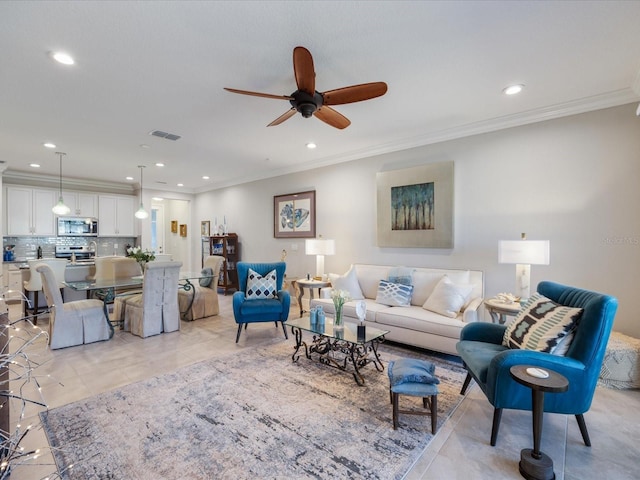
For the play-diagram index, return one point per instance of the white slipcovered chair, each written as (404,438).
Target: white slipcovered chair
(202,300)
(155,310)
(34,284)
(72,323)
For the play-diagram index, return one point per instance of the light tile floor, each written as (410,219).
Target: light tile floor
(460,450)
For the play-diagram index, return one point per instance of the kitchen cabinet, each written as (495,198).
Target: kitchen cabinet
(115,216)
(28,211)
(81,204)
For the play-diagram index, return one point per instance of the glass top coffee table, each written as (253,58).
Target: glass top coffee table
(343,348)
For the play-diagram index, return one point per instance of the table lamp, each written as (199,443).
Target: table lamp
(523,253)
(319,247)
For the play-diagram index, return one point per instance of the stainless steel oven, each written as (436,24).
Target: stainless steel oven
(77,227)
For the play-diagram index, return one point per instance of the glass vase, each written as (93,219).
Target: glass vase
(338,323)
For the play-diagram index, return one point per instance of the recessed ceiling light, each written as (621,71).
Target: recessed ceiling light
(49,145)
(311,145)
(144,145)
(158,199)
(180,185)
(129,178)
(205,177)
(513,89)
(63,58)
(159,164)
(34,165)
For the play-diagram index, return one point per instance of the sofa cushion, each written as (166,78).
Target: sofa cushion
(542,325)
(394,294)
(259,287)
(411,370)
(347,282)
(419,320)
(448,298)
(423,284)
(369,276)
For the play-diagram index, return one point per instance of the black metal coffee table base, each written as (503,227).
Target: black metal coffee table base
(532,468)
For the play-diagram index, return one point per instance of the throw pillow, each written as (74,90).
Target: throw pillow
(261,287)
(347,282)
(206,281)
(542,325)
(394,294)
(411,370)
(401,275)
(447,298)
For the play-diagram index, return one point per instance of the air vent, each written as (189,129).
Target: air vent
(168,136)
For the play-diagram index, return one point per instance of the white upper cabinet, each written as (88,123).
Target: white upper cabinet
(81,204)
(28,211)
(115,215)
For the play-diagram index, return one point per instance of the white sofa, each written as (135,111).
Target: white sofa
(413,324)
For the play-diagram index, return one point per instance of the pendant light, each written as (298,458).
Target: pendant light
(60,208)
(141,213)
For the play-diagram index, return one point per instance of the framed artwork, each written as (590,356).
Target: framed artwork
(205,228)
(183,229)
(294,215)
(415,206)
(174,226)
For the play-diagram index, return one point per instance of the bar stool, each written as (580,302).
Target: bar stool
(413,377)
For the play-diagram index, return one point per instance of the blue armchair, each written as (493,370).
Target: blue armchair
(488,362)
(246,311)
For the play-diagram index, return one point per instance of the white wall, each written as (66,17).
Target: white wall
(573,181)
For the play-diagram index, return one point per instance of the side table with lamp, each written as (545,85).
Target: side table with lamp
(502,306)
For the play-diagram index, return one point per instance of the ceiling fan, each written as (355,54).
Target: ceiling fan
(308,101)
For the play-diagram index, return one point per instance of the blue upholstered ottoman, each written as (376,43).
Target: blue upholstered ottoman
(416,378)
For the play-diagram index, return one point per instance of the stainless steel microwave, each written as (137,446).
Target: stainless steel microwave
(77,227)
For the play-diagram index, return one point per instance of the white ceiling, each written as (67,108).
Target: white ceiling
(142,66)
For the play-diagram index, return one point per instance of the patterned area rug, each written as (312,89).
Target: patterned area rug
(254,414)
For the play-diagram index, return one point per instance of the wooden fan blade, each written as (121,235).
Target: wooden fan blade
(257,94)
(303,69)
(285,116)
(354,93)
(332,117)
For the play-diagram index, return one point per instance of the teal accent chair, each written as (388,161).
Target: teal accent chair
(246,311)
(488,362)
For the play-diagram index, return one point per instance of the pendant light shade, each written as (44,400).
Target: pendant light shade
(60,208)
(141,213)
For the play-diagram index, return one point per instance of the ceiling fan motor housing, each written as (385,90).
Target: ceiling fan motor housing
(306,104)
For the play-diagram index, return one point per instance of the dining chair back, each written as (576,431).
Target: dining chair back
(34,284)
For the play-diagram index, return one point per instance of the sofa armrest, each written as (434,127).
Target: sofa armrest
(470,313)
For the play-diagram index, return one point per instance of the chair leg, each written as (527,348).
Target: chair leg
(434,414)
(466,383)
(284,329)
(497,416)
(239,331)
(583,429)
(394,402)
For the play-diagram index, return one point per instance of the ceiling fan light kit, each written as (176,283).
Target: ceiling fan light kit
(309,102)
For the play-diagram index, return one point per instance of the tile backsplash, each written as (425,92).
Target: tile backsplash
(25,248)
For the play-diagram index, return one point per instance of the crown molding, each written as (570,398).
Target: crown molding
(16,177)
(574,107)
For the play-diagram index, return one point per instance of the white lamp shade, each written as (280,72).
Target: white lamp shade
(527,252)
(319,246)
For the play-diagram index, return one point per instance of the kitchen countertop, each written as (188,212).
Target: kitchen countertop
(22,263)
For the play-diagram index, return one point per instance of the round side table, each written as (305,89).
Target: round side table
(535,465)
(303,283)
(499,311)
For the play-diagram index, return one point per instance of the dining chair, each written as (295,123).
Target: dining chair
(72,323)
(155,310)
(34,284)
(201,300)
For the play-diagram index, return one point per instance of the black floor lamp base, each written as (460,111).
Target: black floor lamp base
(533,468)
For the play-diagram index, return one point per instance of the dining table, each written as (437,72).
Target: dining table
(107,289)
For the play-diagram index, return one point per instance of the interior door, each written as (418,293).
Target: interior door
(157,228)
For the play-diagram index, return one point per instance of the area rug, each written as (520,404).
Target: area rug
(253,414)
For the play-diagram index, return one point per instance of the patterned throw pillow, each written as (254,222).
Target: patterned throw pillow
(542,325)
(401,275)
(205,281)
(261,287)
(394,294)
